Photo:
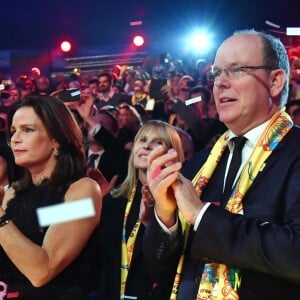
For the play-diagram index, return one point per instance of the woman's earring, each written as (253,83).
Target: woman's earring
(56,152)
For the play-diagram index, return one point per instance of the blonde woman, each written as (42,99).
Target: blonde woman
(126,212)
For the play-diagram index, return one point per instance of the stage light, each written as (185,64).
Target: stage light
(138,40)
(65,46)
(200,41)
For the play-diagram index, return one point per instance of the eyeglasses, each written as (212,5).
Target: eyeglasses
(233,72)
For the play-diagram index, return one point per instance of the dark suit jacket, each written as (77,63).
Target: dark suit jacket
(264,242)
(114,160)
(139,283)
(202,130)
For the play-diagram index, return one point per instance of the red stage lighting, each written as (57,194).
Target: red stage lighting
(65,46)
(138,41)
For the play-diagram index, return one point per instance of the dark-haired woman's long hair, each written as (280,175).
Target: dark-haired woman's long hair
(61,126)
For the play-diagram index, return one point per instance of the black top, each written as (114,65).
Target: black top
(72,283)
(139,282)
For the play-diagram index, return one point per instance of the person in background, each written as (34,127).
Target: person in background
(184,87)
(130,122)
(244,238)
(187,143)
(194,118)
(53,262)
(118,89)
(140,92)
(9,171)
(296,117)
(27,87)
(93,85)
(105,95)
(42,86)
(292,106)
(104,152)
(14,95)
(126,212)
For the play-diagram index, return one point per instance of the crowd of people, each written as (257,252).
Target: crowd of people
(180,164)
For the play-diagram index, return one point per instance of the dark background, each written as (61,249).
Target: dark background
(31,31)
(97,23)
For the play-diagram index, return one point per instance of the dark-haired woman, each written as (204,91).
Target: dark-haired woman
(46,262)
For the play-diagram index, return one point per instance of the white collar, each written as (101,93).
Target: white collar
(252,135)
(98,152)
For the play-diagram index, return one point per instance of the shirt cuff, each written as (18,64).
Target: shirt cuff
(200,215)
(172,230)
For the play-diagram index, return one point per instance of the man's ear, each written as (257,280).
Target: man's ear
(277,82)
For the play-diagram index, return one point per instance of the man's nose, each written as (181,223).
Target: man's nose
(222,80)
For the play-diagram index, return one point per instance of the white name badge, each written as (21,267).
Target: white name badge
(64,212)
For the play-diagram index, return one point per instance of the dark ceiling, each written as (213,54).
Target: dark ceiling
(97,23)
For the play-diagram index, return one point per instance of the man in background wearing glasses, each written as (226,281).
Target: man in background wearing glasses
(242,238)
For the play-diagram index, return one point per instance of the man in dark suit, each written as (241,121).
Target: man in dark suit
(114,159)
(103,150)
(244,238)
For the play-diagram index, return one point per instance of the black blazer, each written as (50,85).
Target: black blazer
(264,242)
(114,160)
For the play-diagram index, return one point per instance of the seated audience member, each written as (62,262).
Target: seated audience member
(292,106)
(126,212)
(194,118)
(241,213)
(102,146)
(187,143)
(144,114)
(55,261)
(14,95)
(42,86)
(129,121)
(112,158)
(106,94)
(140,95)
(296,116)
(9,171)
(93,85)
(294,92)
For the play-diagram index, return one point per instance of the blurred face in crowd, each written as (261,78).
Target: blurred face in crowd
(104,84)
(42,83)
(116,89)
(211,110)
(183,85)
(138,86)
(14,95)
(175,84)
(295,69)
(243,100)
(35,73)
(94,88)
(184,88)
(27,89)
(125,116)
(201,106)
(31,144)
